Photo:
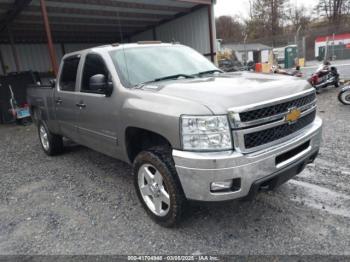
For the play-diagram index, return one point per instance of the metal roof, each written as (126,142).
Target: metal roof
(246,47)
(88,20)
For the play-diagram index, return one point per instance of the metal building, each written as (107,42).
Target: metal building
(35,34)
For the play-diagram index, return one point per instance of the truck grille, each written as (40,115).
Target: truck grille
(257,128)
(276,109)
(269,135)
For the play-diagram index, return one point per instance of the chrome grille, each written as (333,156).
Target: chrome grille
(268,135)
(260,126)
(276,109)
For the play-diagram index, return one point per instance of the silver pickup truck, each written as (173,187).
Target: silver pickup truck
(190,131)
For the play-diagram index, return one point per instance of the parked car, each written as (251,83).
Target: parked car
(190,131)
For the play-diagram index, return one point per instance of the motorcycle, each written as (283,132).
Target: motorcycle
(324,77)
(344,95)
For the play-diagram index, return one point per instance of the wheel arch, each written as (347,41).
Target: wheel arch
(139,139)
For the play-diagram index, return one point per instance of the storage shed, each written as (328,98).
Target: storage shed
(35,34)
(258,53)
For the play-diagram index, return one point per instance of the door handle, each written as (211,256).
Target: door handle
(80,105)
(59,101)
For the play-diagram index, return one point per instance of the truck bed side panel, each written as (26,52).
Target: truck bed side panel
(41,98)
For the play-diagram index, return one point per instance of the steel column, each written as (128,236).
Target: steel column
(3,66)
(14,50)
(49,38)
(211,40)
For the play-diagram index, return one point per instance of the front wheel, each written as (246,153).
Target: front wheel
(344,97)
(158,187)
(52,144)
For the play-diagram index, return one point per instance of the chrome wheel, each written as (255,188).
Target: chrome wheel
(345,97)
(153,190)
(44,138)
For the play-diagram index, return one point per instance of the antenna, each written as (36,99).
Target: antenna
(122,41)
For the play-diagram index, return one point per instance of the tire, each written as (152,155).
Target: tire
(154,171)
(51,144)
(344,97)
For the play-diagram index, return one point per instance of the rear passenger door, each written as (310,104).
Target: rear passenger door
(66,98)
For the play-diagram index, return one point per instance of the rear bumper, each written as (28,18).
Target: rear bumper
(254,171)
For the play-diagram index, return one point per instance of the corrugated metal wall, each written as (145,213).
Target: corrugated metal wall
(36,57)
(31,56)
(191,30)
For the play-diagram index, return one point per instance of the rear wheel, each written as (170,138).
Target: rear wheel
(158,187)
(52,144)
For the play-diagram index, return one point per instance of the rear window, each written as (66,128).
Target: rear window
(69,74)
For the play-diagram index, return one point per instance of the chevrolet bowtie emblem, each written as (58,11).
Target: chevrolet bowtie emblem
(293,115)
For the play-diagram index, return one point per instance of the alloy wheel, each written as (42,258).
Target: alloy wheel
(153,190)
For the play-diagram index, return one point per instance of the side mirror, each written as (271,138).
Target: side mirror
(99,84)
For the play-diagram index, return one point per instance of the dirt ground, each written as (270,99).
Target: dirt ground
(83,202)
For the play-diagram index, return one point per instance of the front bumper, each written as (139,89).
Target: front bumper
(197,171)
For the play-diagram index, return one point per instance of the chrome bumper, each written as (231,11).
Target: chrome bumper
(197,171)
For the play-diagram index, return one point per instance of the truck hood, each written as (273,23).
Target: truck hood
(221,92)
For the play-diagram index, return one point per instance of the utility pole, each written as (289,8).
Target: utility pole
(245,50)
(296,40)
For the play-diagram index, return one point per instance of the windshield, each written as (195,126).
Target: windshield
(145,64)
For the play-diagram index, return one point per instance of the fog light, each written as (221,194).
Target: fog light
(220,186)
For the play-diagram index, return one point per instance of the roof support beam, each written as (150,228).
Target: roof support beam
(24,19)
(97,12)
(49,38)
(16,9)
(131,5)
(203,2)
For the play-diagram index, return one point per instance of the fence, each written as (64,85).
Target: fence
(306,42)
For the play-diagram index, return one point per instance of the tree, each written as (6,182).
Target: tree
(298,16)
(334,10)
(229,29)
(266,18)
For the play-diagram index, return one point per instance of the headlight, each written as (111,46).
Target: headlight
(205,133)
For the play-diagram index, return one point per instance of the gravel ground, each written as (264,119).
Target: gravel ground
(83,202)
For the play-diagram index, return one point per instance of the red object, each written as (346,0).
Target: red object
(330,37)
(348,46)
(49,37)
(258,67)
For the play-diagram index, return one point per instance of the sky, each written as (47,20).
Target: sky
(241,7)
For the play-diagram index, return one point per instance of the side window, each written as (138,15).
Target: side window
(94,65)
(69,74)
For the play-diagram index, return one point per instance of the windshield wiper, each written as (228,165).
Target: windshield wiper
(209,72)
(140,85)
(172,77)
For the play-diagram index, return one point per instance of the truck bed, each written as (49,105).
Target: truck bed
(41,99)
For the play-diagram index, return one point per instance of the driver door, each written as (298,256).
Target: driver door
(97,117)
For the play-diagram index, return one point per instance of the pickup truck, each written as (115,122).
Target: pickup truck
(190,131)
